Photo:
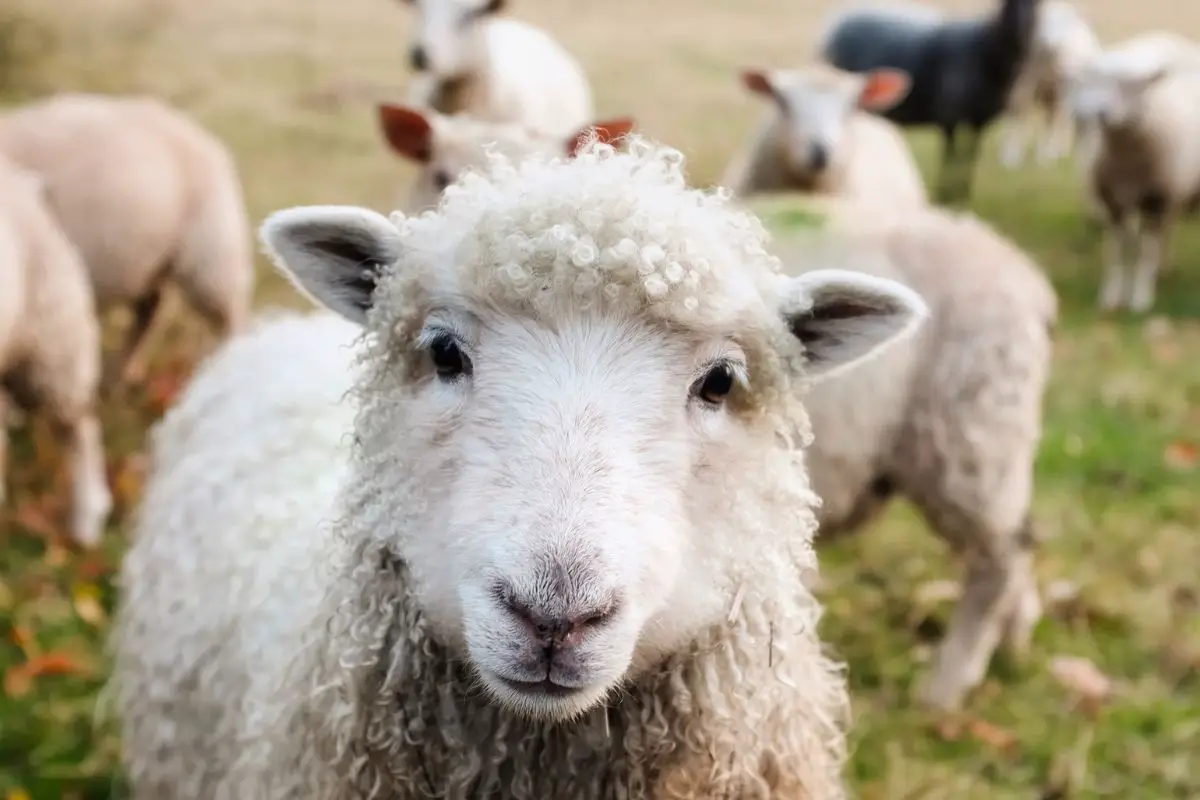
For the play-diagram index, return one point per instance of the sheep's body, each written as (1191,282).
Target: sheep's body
(1144,98)
(50,343)
(1062,46)
(135,166)
(350,656)
(865,156)
(962,71)
(951,420)
(516,73)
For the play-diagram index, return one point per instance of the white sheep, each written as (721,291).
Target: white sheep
(149,198)
(471,60)
(443,147)
(555,545)
(950,420)
(1143,96)
(1062,45)
(50,344)
(821,137)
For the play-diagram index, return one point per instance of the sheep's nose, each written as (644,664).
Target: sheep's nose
(418,58)
(819,156)
(560,631)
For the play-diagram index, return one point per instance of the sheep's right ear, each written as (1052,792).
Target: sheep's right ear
(883,88)
(759,82)
(334,255)
(842,317)
(408,131)
(607,132)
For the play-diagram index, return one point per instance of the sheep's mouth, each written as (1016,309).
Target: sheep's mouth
(542,688)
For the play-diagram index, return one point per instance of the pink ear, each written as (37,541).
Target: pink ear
(756,80)
(607,132)
(407,131)
(883,89)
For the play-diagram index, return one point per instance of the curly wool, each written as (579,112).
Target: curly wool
(362,697)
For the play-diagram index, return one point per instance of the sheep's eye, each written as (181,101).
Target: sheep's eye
(716,384)
(448,358)
(441,179)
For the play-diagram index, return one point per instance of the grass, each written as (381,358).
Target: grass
(288,84)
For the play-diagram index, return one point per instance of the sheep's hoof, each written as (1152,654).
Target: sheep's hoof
(940,695)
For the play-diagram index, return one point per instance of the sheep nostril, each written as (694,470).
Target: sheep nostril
(418,59)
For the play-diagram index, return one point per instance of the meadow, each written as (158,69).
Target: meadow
(290,86)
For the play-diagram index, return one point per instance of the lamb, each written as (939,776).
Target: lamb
(817,139)
(578,382)
(950,420)
(50,344)
(962,71)
(470,60)
(137,166)
(444,146)
(1144,98)
(1063,44)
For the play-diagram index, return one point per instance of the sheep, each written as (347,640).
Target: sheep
(951,420)
(578,381)
(149,198)
(1063,44)
(1143,96)
(817,139)
(471,60)
(444,146)
(50,344)
(962,71)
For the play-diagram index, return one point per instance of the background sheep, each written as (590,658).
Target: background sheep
(1063,42)
(1144,98)
(818,140)
(149,199)
(951,420)
(445,146)
(962,72)
(50,344)
(470,60)
(584,357)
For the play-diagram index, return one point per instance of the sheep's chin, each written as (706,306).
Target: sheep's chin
(544,706)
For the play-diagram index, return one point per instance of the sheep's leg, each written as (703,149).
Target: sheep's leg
(131,364)
(947,171)
(1016,140)
(1027,604)
(1119,239)
(91,500)
(1152,245)
(1060,135)
(966,172)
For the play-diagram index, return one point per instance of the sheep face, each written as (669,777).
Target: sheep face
(444,147)
(815,107)
(448,36)
(1110,93)
(575,471)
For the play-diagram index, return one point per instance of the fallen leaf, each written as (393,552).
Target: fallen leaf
(56,555)
(36,520)
(1082,677)
(23,638)
(1181,455)
(991,735)
(126,479)
(164,387)
(87,604)
(18,681)
(16,794)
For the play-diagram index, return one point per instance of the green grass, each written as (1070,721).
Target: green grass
(1118,502)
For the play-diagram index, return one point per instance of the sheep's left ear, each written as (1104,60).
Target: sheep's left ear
(883,88)
(334,255)
(607,132)
(842,317)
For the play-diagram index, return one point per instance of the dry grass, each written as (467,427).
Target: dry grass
(289,85)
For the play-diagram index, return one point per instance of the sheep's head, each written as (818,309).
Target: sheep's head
(578,426)
(448,35)
(815,105)
(446,146)
(1109,89)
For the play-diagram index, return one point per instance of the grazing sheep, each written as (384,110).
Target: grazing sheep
(470,60)
(818,140)
(50,343)
(950,420)
(446,146)
(1063,43)
(962,71)
(556,549)
(149,198)
(1143,96)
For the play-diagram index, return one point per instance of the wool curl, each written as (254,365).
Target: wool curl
(372,702)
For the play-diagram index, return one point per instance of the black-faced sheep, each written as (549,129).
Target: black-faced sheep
(555,546)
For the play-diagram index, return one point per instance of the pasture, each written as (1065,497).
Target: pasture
(290,85)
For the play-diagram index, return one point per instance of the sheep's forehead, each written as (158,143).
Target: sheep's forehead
(818,90)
